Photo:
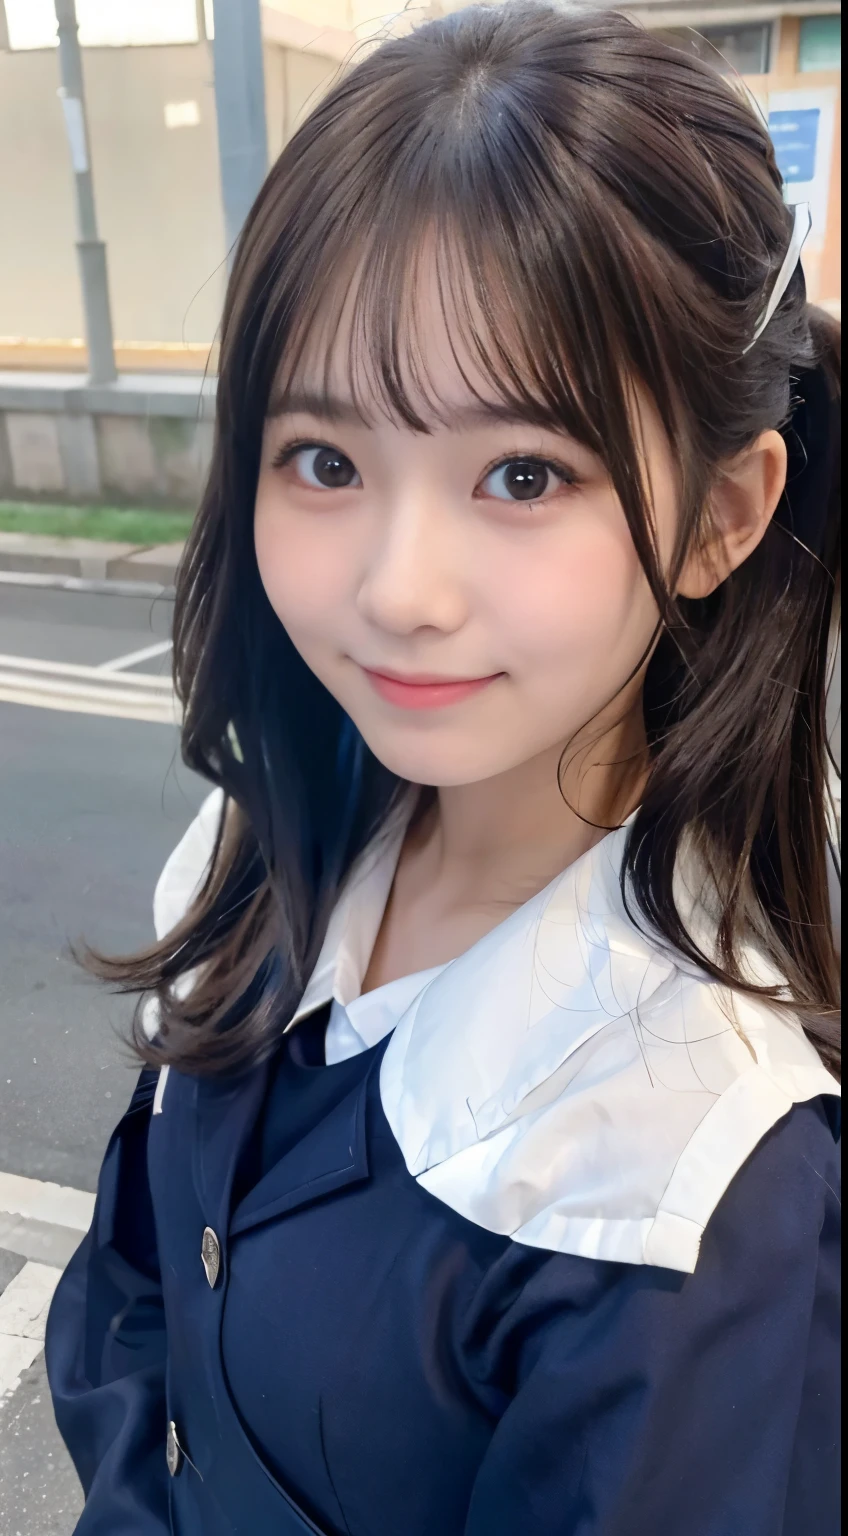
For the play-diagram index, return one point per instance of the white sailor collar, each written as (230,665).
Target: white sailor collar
(568,1081)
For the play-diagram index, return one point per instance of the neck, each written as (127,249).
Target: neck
(511,834)
(483,849)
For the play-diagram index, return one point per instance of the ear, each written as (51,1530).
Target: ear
(743,501)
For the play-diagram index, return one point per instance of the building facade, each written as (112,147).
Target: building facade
(790,59)
(151,110)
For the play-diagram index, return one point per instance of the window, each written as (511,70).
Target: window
(821,43)
(104,23)
(734,50)
(744,50)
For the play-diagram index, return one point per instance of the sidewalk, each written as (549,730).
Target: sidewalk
(89,559)
(41,1224)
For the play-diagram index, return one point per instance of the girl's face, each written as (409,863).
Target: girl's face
(471,596)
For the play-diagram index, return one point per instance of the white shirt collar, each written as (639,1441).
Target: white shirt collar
(367,1020)
(352,930)
(359,1021)
(568,1081)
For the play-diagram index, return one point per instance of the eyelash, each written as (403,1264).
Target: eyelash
(285,454)
(562,471)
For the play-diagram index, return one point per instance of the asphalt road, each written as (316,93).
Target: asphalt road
(89,810)
(90,807)
(90,628)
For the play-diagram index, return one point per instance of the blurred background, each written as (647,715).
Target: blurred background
(134,135)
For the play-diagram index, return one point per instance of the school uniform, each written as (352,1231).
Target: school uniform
(543,1242)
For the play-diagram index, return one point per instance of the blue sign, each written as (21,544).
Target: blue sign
(794,135)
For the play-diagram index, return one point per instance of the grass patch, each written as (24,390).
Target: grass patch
(126,525)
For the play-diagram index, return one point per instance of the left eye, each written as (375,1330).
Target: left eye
(521,480)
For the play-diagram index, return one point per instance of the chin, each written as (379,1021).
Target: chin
(441,764)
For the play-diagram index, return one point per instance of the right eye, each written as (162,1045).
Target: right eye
(321,467)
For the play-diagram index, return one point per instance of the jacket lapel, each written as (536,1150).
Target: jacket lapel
(225,1113)
(332,1156)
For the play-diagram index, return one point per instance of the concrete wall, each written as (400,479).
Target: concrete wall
(142,442)
(294,81)
(157,188)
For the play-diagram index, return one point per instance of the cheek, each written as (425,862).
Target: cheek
(306,572)
(580,593)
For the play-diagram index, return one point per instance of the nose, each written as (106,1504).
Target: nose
(413,580)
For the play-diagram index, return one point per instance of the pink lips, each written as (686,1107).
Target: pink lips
(425,691)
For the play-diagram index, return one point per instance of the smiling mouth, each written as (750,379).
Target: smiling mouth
(423,690)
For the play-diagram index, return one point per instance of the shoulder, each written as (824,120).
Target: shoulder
(570,1084)
(775,1233)
(791,1183)
(186,868)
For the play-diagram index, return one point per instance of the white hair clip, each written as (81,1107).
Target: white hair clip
(801,228)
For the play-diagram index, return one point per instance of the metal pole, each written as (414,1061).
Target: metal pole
(240,109)
(90,250)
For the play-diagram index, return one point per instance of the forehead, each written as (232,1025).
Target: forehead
(428,334)
(428,359)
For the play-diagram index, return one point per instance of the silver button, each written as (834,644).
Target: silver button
(173,1450)
(210,1252)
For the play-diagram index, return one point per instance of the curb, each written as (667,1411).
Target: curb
(90,560)
(107,587)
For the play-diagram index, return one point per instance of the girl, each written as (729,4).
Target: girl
(481,1176)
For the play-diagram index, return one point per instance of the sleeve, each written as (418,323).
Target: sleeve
(652,1403)
(106,1348)
(106,1342)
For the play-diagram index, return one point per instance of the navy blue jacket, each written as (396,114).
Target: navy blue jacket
(368,1362)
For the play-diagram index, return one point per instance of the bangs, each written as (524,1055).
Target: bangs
(510,277)
(366,326)
(556,302)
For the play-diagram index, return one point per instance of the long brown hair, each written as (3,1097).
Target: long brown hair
(603,207)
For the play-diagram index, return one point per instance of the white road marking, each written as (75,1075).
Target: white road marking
(84,584)
(87,690)
(35,666)
(26,1299)
(74,704)
(41,1241)
(39,1200)
(16,1356)
(23,1317)
(134,657)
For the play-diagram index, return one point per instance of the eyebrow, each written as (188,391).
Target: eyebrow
(332,408)
(303,402)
